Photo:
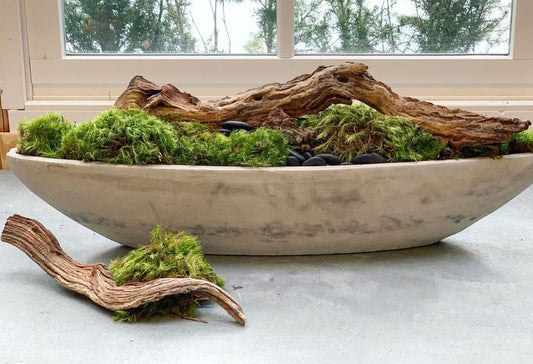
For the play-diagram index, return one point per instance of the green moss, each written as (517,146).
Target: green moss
(504,148)
(192,129)
(522,142)
(169,255)
(134,137)
(351,130)
(262,147)
(193,143)
(485,151)
(43,136)
(121,136)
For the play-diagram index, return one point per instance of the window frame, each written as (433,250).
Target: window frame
(37,75)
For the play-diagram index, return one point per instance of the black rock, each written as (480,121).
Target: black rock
(297,155)
(293,161)
(236,125)
(368,159)
(224,131)
(346,164)
(330,159)
(314,161)
(307,155)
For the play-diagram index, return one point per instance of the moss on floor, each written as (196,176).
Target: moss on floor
(169,255)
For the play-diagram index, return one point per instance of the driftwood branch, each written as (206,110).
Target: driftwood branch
(94,280)
(311,93)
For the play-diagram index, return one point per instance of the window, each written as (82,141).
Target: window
(169,27)
(403,26)
(321,27)
(42,70)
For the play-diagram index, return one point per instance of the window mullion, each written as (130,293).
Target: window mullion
(285,26)
(522,42)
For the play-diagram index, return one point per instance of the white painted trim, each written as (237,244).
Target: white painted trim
(26,52)
(12,58)
(285,30)
(477,102)
(107,77)
(522,39)
(44,29)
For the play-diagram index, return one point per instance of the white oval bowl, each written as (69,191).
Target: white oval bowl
(281,210)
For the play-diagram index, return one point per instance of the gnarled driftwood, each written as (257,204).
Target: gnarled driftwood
(94,280)
(311,93)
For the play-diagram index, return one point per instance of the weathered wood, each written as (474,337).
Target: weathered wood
(7,141)
(94,280)
(311,93)
(4,118)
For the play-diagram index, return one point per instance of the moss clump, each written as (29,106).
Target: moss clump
(134,137)
(522,142)
(351,130)
(493,151)
(192,129)
(169,255)
(121,137)
(262,147)
(43,136)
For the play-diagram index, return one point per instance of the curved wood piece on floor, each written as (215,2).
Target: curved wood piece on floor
(94,280)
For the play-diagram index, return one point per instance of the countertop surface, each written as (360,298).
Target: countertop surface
(466,299)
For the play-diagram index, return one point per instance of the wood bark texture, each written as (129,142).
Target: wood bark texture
(94,280)
(311,93)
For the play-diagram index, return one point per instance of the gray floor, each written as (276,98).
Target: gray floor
(466,299)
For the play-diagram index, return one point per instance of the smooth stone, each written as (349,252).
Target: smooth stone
(371,158)
(293,161)
(308,155)
(330,159)
(297,155)
(314,161)
(231,125)
(224,131)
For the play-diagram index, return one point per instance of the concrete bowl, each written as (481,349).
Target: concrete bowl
(282,210)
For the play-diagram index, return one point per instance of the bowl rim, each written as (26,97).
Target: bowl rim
(13,154)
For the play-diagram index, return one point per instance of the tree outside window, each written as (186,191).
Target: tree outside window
(321,26)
